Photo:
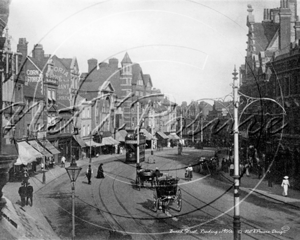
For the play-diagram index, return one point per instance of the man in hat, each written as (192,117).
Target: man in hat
(89,173)
(285,184)
(29,194)
(157,174)
(22,193)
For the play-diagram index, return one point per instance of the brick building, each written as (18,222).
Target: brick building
(270,88)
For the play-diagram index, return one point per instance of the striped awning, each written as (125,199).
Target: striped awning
(79,140)
(50,147)
(27,153)
(91,143)
(40,148)
(162,135)
(148,135)
(120,135)
(173,136)
(109,141)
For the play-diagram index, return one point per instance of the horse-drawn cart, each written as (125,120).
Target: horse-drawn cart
(146,175)
(166,194)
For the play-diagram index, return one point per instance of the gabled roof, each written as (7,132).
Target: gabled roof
(263,35)
(136,72)
(147,79)
(66,62)
(40,64)
(126,59)
(103,76)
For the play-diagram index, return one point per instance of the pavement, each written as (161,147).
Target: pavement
(28,222)
(252,184)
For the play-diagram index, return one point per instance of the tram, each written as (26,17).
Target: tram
(131,147)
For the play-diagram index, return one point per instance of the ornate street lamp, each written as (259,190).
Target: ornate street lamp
(73,171)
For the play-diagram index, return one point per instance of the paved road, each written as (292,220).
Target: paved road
(112,208)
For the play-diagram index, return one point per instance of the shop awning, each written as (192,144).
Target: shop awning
(91,143)
(173,136)
(109,141)
(148,135)
(79,140)
(120,135)
(27,153)
(40,148)
(162,135)
(50,147)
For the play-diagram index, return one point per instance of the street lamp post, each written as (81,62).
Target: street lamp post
(73,171)
(152,125)
(236,217)
(90,147)
(138,133)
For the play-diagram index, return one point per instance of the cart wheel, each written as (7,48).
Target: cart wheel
(178,200)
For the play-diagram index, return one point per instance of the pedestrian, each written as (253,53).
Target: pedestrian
(157,174)
(223,164)
(259,171)
(269,176)
(231,169)
(29,194)
(247,166)
(100,171)
(83,154)
(285,184)
(189,172)
(226,163)
(63,161)
(22,193)
(25,176)
(89,173)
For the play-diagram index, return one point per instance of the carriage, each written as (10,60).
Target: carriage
(167,194)
(146,175)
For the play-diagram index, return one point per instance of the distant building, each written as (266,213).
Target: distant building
(52,83)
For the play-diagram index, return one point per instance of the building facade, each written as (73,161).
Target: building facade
(270,78)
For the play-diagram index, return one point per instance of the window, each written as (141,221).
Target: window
(49,95)
(53,95)
(88,112)
(140,82)
(83,130)
(88,130)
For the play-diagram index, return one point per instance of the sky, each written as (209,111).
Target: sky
(189,47)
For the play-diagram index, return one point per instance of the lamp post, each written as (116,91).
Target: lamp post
(90,147)
(236,217)
(73,171)
(138,133)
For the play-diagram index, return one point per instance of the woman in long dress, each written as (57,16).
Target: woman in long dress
(100,171)
(285,184)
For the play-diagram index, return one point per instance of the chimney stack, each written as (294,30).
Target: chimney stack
(38,52)
(284,28)
(92,64)
(23,48)
(113,63)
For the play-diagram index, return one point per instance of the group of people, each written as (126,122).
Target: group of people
(89,173)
